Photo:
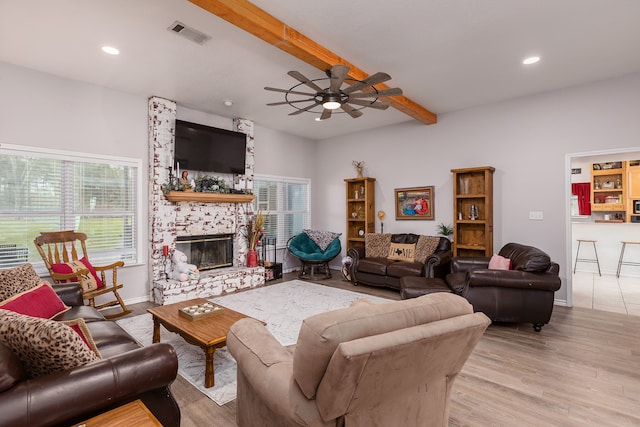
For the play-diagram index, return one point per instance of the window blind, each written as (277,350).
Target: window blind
(285,204)
(51,191)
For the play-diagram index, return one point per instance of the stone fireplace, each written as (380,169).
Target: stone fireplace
(176,219)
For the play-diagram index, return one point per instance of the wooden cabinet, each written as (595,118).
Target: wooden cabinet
(633,179)
(608,188)
(361,205)
(473,211)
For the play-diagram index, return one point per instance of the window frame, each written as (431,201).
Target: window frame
(73,156)
(280,244)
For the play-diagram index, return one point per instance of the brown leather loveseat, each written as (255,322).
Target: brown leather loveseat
(126,372)
(375,264)
(522,294)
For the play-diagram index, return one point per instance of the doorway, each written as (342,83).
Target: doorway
(602,288)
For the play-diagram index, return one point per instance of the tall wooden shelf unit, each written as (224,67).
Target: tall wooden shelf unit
(473,186)
(361,205)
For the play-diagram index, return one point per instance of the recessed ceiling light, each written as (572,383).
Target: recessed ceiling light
(228,102)
(110,50)
(531,60)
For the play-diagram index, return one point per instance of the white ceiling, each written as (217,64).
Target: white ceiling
(446,55)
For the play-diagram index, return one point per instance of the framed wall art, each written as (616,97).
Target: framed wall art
(415,203)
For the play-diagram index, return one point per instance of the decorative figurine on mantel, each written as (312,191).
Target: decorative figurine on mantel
(359,167)
(185,183)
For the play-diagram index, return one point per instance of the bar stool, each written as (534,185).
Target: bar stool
(620,261)
(587,259)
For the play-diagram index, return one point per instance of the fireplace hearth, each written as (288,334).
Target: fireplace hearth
(207,252)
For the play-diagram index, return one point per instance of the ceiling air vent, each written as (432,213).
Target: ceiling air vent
(188,32)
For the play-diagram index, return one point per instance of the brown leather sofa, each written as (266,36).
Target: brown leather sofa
(126,372)
(379,270)
(523,294)
(389,364)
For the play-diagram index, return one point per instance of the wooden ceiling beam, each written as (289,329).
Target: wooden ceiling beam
(256,21)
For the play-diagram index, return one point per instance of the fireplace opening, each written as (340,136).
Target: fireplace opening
(207,251)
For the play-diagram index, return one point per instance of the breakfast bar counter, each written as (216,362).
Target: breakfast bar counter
(609,237)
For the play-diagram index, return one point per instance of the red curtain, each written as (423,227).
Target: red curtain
(583,191)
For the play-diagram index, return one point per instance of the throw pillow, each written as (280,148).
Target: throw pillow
(425,247)
(79,326)
(89,282)
(17,279)
(44,346)
(376,245)
(498,262)
(41,301)
(322,238)
(402,252)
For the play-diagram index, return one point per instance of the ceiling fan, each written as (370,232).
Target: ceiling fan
(351,99)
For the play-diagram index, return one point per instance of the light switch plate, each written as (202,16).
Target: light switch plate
(536,215)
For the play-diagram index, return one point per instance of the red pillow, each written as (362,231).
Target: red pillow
(499,262)
(89,282)
(41,301)
(80,328)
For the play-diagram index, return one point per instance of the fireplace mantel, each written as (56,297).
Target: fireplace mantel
(192,196)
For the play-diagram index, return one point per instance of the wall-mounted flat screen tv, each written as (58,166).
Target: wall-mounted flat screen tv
(208,149)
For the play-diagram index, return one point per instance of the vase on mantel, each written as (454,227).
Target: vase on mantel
(252,258)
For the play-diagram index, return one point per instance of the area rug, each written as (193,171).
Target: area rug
(282,306)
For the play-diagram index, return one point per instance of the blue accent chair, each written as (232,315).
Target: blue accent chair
(311,256)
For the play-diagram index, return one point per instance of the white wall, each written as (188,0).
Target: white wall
(525,139)
(42,110)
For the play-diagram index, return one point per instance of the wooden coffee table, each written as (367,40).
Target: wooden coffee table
(208,333)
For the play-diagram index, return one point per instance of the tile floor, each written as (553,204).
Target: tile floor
(607,292)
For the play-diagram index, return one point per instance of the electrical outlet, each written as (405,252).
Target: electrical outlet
(536,215)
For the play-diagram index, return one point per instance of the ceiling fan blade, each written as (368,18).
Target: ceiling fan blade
(338,74)
(294,92)
(291,102)
(326,114)
(351,111)
(307,108)
(373,79)
(298,76)
(396,91)
(375,104)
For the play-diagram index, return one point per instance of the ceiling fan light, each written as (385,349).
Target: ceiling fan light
(331,105)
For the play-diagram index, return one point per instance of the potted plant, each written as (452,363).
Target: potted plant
(445,230)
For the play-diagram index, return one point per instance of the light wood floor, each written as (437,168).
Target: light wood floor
(583,369)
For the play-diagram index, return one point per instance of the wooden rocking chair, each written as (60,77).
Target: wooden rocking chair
(59,247)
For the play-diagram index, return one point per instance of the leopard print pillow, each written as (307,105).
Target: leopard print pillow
(17,279)
(44,346)
(425,247)
(376,245)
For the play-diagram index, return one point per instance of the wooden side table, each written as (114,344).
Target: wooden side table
(132,414)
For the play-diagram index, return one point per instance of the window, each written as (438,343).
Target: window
(45,190)
(285,205)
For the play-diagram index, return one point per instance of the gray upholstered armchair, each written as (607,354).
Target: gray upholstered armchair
(390,364)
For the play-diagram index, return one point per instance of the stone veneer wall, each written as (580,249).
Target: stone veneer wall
(169,220)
